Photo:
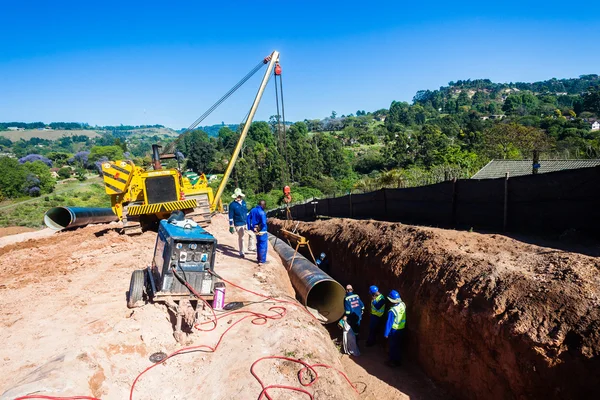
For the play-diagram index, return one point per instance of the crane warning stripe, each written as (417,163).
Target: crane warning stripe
(116,177)
(158,207)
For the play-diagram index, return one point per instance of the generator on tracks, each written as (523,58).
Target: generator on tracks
(181,269)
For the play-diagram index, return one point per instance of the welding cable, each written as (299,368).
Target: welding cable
(39,396)
(195,293)
(294,303)
(278,313)
(306,367)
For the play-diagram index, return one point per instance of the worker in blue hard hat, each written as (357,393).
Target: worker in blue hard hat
(394,327)
(377,310)
(323,263)
(353,307)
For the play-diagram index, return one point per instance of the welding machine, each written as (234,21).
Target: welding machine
(184,254)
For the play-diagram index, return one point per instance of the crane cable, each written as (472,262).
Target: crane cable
(281,129)
(227,95)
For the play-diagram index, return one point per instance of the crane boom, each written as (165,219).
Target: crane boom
(274,59)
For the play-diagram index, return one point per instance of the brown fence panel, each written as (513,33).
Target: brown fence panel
(555,201)
(480,203)
(369,205)
(422,205)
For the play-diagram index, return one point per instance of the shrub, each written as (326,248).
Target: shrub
(64,172)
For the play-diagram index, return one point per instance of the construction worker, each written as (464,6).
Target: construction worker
(354,309)
(394,327)
(258,224)
(237,217)
(377,310)
(323,263)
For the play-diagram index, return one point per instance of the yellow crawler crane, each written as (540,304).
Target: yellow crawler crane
(141,198)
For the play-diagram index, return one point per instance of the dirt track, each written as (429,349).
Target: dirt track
(489,317)
(67,331)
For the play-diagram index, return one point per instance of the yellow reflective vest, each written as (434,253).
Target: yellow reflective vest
(378,312)
(399,311)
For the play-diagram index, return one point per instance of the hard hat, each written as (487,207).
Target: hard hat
(373,289)
(349,287)
(322,256)
(394,296)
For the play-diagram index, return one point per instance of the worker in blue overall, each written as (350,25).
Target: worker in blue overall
(394,328)
(354,308)
(257,222)
(377,310)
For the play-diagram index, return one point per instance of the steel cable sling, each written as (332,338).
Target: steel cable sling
(226,95)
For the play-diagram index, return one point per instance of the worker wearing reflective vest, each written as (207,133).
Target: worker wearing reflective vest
(353,307)
(394,327)
(377,311)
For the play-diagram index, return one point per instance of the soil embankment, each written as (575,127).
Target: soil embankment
(489,317)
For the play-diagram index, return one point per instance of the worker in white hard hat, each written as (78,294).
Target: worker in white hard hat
(237,217)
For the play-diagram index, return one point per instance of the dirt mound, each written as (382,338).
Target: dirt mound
(488,316)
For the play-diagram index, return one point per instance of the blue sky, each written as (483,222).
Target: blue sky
(166,62)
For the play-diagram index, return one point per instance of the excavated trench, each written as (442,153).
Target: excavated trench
(489,317)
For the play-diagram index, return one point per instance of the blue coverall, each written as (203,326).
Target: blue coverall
(258,218)
(377,307)
(394,330)
(353,307)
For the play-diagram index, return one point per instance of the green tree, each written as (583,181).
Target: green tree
(331,151)
(112,153)
(12,177)
(64,173)
(200,151)
(591,100)
(432,145)
(41,172)
(511,140)
(59,158)
(260,132)
(80,174)
(121,143)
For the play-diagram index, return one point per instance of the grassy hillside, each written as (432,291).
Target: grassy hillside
(31,212)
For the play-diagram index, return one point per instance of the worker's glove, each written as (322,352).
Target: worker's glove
(231,230)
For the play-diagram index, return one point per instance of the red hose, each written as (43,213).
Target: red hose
(257,319)
(306,367)
(39,396)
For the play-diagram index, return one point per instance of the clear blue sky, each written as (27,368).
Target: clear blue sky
(166,62)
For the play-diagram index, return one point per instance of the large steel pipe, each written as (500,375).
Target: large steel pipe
(58,218)
(316,289)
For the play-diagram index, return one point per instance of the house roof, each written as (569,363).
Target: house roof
(499,168)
